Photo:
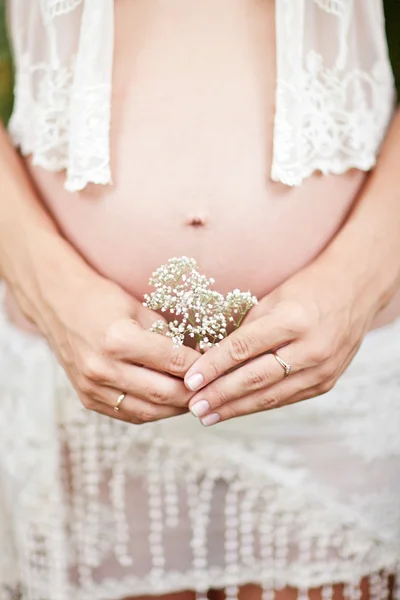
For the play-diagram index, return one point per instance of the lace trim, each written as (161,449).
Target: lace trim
(48,137)
(79,484)
(45,133)
(331,111)
(330,116)
(332,138)
(62,107)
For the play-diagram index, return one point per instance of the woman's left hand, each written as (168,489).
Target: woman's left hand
(315,321)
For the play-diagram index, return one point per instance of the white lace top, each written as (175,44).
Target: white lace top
(334,89)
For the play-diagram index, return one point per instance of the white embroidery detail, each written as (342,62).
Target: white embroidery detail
(62,98)
(333,103)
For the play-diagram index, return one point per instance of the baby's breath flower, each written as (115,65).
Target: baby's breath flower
(158,327)
(205,313)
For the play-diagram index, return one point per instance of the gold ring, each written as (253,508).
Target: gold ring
(119,402)
(283,364)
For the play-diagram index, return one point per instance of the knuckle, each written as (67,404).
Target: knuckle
(213,370)
(146,415)
(112,340)
(218,396)
(327,371)
(239,349)
(89,403)
(177,362)
(256,380)
(268,402)
(298,318)
(93,368)
(326,387)
(319,354)
(115,337)
(85,386)
(230,412)
(158,396)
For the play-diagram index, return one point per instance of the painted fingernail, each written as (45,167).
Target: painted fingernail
(200,408)
(195,381)
(210,419)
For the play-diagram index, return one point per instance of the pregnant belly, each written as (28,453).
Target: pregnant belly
(241,230)
(244,235)
(192,129)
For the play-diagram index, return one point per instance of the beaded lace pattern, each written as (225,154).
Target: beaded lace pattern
(334,95)
(93,508)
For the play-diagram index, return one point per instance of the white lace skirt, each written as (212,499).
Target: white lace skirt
(94,509)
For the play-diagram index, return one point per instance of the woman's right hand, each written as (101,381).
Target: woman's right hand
(101,338)
(97,330)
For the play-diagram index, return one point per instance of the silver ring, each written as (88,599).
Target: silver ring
(283,364)
(119,402)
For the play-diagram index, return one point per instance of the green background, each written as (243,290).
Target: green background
(392,10)
(5,69)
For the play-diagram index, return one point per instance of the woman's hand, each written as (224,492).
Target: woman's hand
(97,330)
(100,336)
(317,319)
(315,322)
(99,333)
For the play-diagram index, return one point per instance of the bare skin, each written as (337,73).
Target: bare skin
(254,592)
(179,596)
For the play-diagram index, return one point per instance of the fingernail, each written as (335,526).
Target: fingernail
(195,381)
(200,408)
(210,419)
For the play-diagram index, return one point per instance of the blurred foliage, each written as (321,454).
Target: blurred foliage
(392,10)
(6,78)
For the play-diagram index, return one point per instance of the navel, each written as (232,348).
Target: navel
(196,221)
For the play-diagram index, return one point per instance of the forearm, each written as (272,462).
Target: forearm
(35,260)
(367,248)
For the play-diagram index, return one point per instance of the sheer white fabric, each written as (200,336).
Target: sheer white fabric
(334,95)
(93,508)
(64,54)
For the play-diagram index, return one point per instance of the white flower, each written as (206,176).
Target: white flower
(205,313)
